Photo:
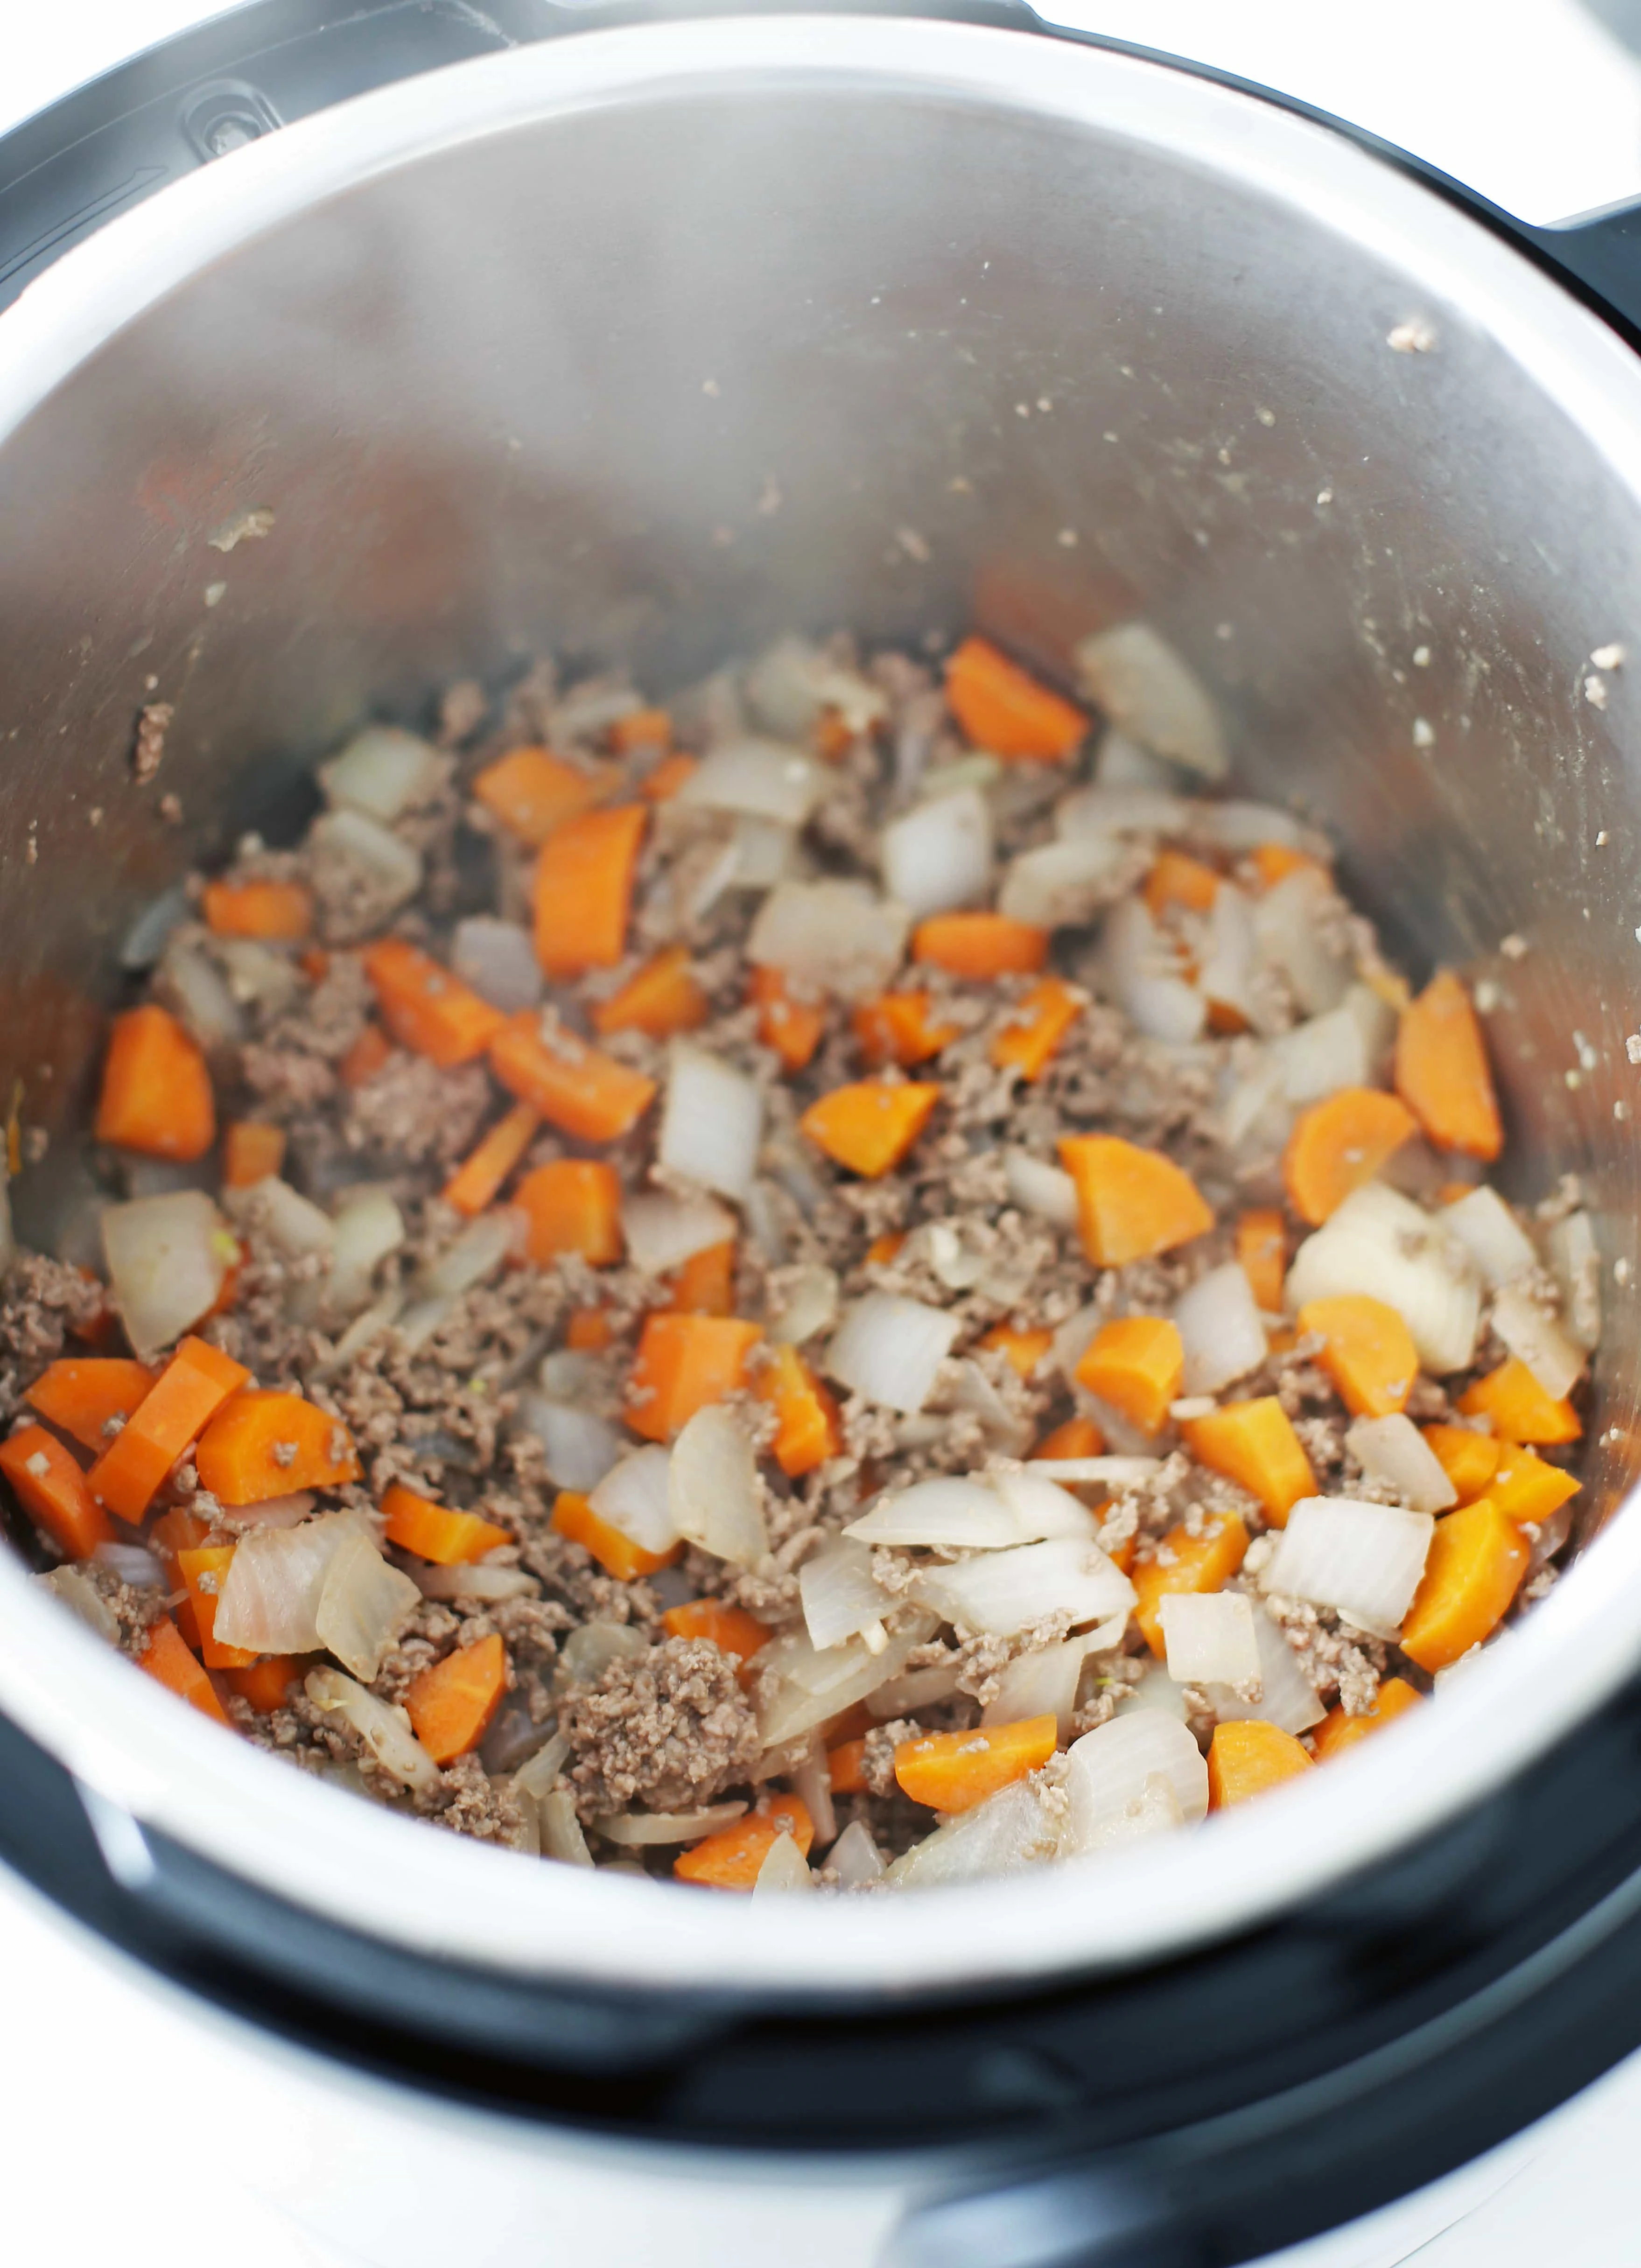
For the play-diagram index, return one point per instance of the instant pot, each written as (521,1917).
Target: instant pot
(355,348)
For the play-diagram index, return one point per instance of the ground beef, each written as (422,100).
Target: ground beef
(665,1729)
(412,1112)
(41,1301)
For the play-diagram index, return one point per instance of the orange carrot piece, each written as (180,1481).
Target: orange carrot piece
(950,1771)
(51,1491)
(1247,1757)
(156,1091)
(314,963)
(731,1629)
(669,776)
(1078,1437)
(791,1028)
(165,1657)
(572,1204)
(1367,1351)
(278,912)
(1442,1073)
(1131,1203)
(432,1531)
(1339,1144)
(1003,708)
(251,1150)
(683,1363)
(190,1390)
(730,1860)
(662,998)
(641,728)
(581,1091)
(1469,1459)
(365,1057)
(898,1027)
(617,1554)
(589,1330)
(474,1184)
(1254,1444)
(1518,1406)
(1477,1559)
(704,1284)
(1261,1248)
(427,1009)
(1336,1732)
(267,1682)
(80,1398)
(1194,1562)
(846,1767)
(263,1443)
(1024,1349)
(532,792)
(203,1570)
(174,1532)
(807,1431)
(870,1126)
(1273,861)
(1030,1038)
(1177,879)
(885,1249)
(450,1704)
(1135,1363)
(979,945)
(1525,1487)
(583,890)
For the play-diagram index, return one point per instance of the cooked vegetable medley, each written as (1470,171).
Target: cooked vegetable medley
(853,1282)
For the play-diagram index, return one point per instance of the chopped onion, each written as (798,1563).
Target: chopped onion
(1538,1340)
(190,982)
(368,1226)
(939,854)
(352,839)
(1210,1638)
(712,1122)
(1012,1829)
(837,935)
(1153,1811)
(1365,1560)
(385,1732)
(478,1252)
(1114,1474)
(382,771)
(1392,1452)
(1062,885)
(471,1581)
(589,708)
(363,1606)
(1071,1339)
(167,1257)
(855,1858)
(161,1177)
(538,1775)
(132,1563)
(813,1685)
(1002,1591)
(663,1229)
(588,1652)
(1381,1245)
(257,975)
(1040,1685)
(1218,1322)
(1289,934)
(1492,1236)
(1288,1700)
(362,1331)
(1576,1262)
(633,1496)
(1107,1769)
(416,1324)
(714,1495)
(561,1837)
(1225,977)
(580,1447)
(271,1595)
(915,1689)
(1254,1117)
(1040,1508)
(976,770)
(762,852)
(636,1828)
(498,959)
(1325,1053)
(1237,825)
(790,684)
(1132,970)
(570,1374)
(1156,1689)
(81,1596)
(1039,1187)
(784,1869)
(293,1223)
(762,778)
(1148,691)
(146,939)
(1120,811)
(811,1783)
(808,1304)
(1122,763)
(840,1597)
(890,1349)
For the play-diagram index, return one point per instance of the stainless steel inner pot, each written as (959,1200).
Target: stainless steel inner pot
(646,345)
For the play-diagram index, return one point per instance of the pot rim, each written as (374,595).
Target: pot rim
(445,1896)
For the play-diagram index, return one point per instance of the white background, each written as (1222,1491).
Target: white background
(1531,102)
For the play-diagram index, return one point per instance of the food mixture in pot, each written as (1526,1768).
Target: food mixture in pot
(858,1281)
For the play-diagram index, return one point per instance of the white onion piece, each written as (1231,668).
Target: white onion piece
(790,685)
(1132,969)
(363,1606)
(1011,1830)
(587,1653)
(382,771)
(1210,1638)
(811,1783)
(293,1223)
(1039,1187)
(376,1318)
(161,1177)
(578,1445)
(1061,885)
(562,1838)
(1254,1114)
(271,1595)
(475,1581)
(711,1123)
(385,1732)
(855,1858)
(590,708)
(257,974)
(189,981)
(1119,811)
(961,1513)
(1576,1259)
(166,1258)
(497,958)
(1377,1020)
(1381,1245)
(837,935)
(475,1254)
(664,1229)
(1114,1474)
(1040,1685)
(1040,1508)
(840,1597)
(538,1775)
(1148,691)
(81,1596)
(714,1496)
(1122,763)
(570,1374)
(1537,1339)
(761,779)
(976,769)
(1365,1560)
(368,1226)
(1322,1055)
(1225,976)
(1002,1591)
(1218,1322)
(1237,825)
(808,1305)
(1392,1452)
(1492,1236)
(1107,1769)
(132,1563)
(1155,1690)
(636,1828)
(633,1496)
(146,939)
(1288,928)
(415,1323)
(812,1685)
(1288,1700)
(890,1349)
(272,1511)
(784,1869)
(939,854)
(763,850)
(352,839)
(1155,1810)
(1071,1339)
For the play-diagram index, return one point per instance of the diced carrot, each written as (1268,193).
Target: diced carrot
(51,1491)
(884,1251)
(174,1532)
(1273,861)
(267,1682)
(1525,1487)
(263,1443)
(1246,1757)
(572,1204)
(1031,1035)
(1339,1144)
(1078,1437)
(704,1284)
(589,1330)
(897,1027)
(1336,1732)
(156,1091)
(1367,1351)
(641,728)
(432,1531)
(663,784)
(1261,1248)
(314,964)
(1131,1203)
(979,945)
(1518,1406)
(662,998)
(532,791)
(731,1629)
(1442,1073)
(617,1554)
(870,1126)
(1003,708)
(1024,1349)
(583,890)
(203,1570)
(190,1390)
(427,1009)
(846,1767)
(81,1396)
(684,1362)
(807,1431)
(1135,1363)
(730,1860)
(474,1184)
(791,1028)
(832,736)
(365,1057)
(1179,880)
(165,1657)
(251,1150)
(1193,1563)
(451,1704)
(581,1091)
(949,1772)
(278,912)
(1254,1444)
(1469,1459)
(1477,1559)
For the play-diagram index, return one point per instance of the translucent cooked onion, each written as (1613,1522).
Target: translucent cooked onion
(1225,977)
(570,1374)
(538,1775)
(363,1606)
(633,1496)
(382,771)
(190,982)
(711,1122)
(1040,1508)
(1322,1055)
(498,959)
(890,1349)
(790,684)
(914,1689)
(580,1447)
(811,1783)
(1002,1591)
(272,1511)
(561,1837)
(362,1331)
(1156,1689)
(1292,937)
(763,779)
(784,1869)
(352,838)
(1287,1700)
(808,1305)
(167,1257)
(1040,1685)
(293,1223)
(1125,810)
(1238,826)
(762,851)
(637,1829)
(840,1597)
(1062,885)
(855,1858)
(664,1228)
(1148,691)
(81,1596)
(714,1495)
(1392,1452)
(146,939)
(1107,1769)
(1576,1262)
(961,1513)
(588,1652)
(368,1226)
(1153,1811)
(271,1595)
(1492,1236)
(1555,1359)
(258,977)
(418,1319)
(811,1684)
(478,1252)
(475,1581)
(1116,1474)
(1037,1187)
(589,708)
(1210,1638)
(938,855)
(1011,1830)
(1133,970)
(385,1732)
(1122,763)
(1381,1245)
(132,1563)
(1365,1560)
(839,936)
(1218,1322)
